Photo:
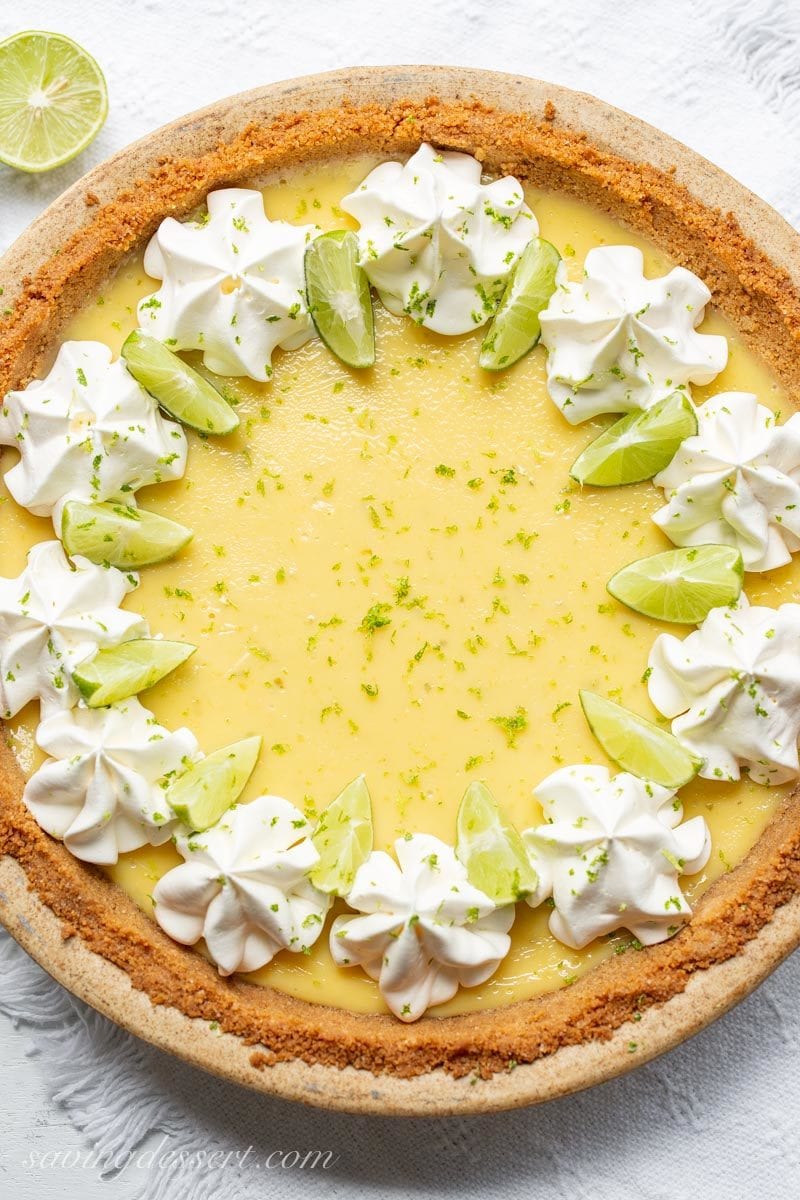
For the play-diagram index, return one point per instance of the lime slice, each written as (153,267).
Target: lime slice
(120,536)
(343,839)
(637,745)
(128,669)
(515,328)
(177,387)
(639,445)
(53,100)
(337,290)
(202,794)
(491,849)
(680,585)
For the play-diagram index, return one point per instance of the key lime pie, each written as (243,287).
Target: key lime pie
(399,654)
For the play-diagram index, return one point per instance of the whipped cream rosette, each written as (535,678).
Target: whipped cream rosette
(436,242)
(736,482)
(618,341)
(87,431)
(53,616)
(102,790)
(232,286)
(610,855)
(733,687)
(425,930)
(244,887)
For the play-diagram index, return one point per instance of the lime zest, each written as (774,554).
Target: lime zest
(180,390)
(339,299)
(638,745)
(206,791)
(639,445)
(515,328)
(491,848)
(680,586)
(119,672)
(117,535)
(343,839)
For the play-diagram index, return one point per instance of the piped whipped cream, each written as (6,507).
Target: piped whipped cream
(52,617)
(737,482)
(102,790)
(232,286)
(244,887)
(436,242)
(426,930)
(610,855)
(733,687)
(86,431)
(618,341)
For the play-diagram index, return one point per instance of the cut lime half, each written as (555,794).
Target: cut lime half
(339,300)
(515,327)
(120,536)
(206,791)
(681,585)
(177,387)
(128,669)
(639,445)
(637,745)
(53,100)
(343,839)
(491,848)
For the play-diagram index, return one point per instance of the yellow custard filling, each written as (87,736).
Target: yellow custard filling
(392,573)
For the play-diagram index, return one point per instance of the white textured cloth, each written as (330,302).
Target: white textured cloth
(720,1116)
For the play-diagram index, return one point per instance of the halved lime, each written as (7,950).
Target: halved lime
(680,585)
(637,745)
(491,848)
(515,327)
(337,291)
(639,445)
(343,839)
(53,100)
(128,669)
(177,387)
(202,794)
(120,536)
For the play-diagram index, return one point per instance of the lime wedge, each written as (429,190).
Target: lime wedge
(491,849)
(639,445)
(680,585)
(515,327)
(637,745)
(202,794)
(337,290)
(53,100)
(343,839)
(128,669)
(120,536)
(177,387)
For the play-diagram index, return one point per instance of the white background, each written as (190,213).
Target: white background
(718,1117)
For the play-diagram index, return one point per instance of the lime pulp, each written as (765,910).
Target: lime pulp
(120,536)
(179,389)
(128,669)
(338,296)
(343,839)
(207,790)
(491,849)
(637,745)
(680,585)
(515,327)
(637,446)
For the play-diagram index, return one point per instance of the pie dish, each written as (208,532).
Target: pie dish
(83,927)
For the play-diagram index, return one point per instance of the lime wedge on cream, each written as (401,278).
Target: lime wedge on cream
(637,745)
(179,389)
(206,791)
(339,300)
(128,669)
(343,839)
(680,585)
(120,536)
(515,328)
(491,848)
(639,445)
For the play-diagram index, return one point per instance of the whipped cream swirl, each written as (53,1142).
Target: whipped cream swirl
(610,855)
(244,887)
(52,617)
(426,930)
(102,790)
(232,286)
(618,342)
(86,431)
(733,687)
(737,482)
(436,242)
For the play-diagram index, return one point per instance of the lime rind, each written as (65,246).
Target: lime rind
(637,446)
(205,792)
(117,535)
(681,586)
(515,328)
(125,670)
(339,298)
(343,839)
(637,745)
(491,849)
(180,390)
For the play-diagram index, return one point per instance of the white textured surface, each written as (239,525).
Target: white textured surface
(718,1117)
